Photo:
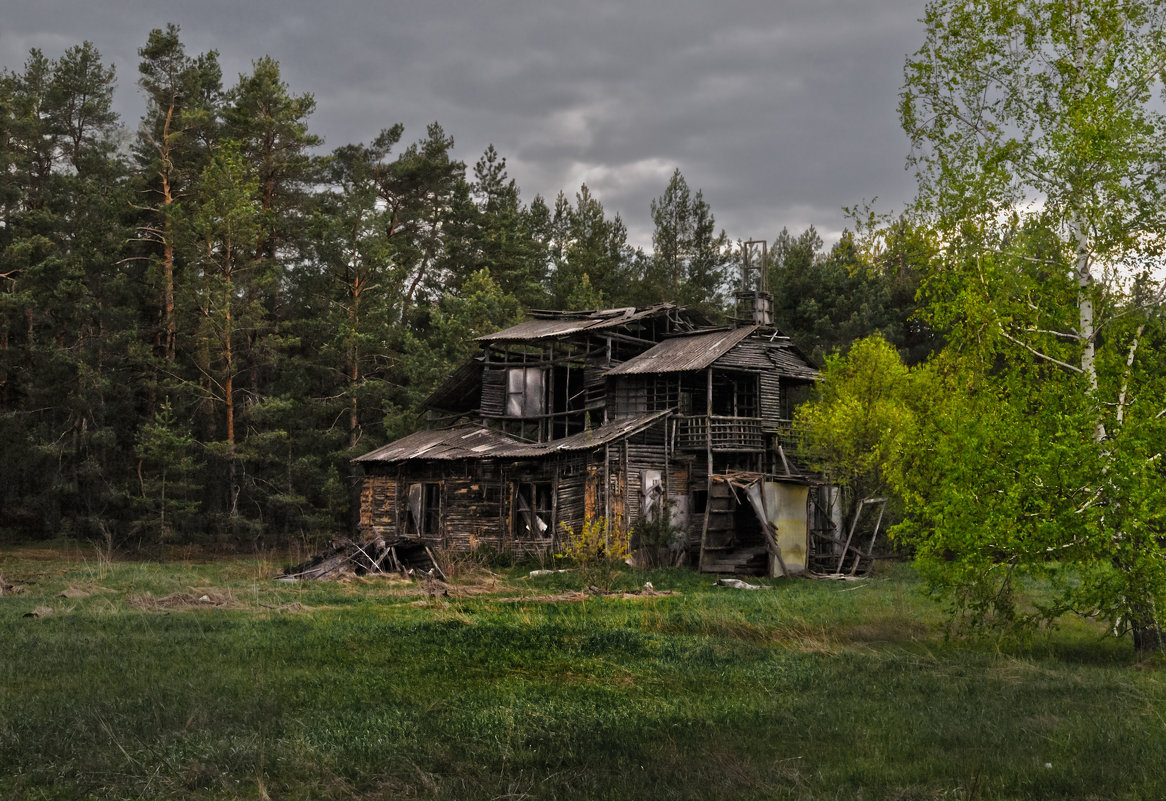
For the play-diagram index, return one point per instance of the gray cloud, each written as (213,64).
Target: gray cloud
(781,112)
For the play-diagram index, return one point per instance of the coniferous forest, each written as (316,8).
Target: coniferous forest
(205,314)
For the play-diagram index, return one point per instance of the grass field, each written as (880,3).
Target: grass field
(210,680)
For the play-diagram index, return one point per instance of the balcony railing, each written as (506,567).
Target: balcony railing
(720,433)
(741,434)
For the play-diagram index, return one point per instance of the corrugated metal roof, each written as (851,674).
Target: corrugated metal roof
(690,352)
(482,443)
(452,443)
(537,329)
(604,434)
(789,362)
(573,323)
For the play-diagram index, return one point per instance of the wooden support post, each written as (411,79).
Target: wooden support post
(850,536)
(870,548)
(607,484)
(708,442)
(555,503)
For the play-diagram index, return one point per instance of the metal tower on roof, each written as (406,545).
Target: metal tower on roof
(754,303)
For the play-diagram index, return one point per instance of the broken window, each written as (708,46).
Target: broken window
(524,392)
(423,516)
(735,395)
(532,511)
(652,487)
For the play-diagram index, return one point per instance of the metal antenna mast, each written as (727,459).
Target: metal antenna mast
(754,303)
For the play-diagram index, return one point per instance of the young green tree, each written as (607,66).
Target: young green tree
(1037,137)
(861,419)
(222,226)
(168,476)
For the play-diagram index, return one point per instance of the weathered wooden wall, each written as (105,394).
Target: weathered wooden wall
(474,513)
(575,493)
(770,398)
(494,391)
(378,506)
(642,451)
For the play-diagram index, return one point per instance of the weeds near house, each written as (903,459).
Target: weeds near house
(598,550)
(656,539)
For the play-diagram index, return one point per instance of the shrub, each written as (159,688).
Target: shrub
(597,550)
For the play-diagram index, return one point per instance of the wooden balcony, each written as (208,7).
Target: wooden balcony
(720,433)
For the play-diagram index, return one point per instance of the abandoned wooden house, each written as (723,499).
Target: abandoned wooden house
(623,414)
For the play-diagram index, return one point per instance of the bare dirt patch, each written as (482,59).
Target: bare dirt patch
(198,599)
(294,606)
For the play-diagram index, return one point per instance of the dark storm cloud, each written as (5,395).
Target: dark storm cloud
(781,112)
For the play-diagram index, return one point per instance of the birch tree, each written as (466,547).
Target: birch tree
(1037,138)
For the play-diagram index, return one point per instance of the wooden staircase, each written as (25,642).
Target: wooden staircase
(739,561)
(721,551)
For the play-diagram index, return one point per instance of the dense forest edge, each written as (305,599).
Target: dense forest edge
(204,315)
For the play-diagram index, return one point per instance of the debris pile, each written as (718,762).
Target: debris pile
(376,557)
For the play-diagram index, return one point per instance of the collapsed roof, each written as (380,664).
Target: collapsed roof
(476,442)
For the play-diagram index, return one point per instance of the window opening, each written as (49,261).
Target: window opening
(532,518)
(735,395)
(524,392)
(423,516)
(652,489)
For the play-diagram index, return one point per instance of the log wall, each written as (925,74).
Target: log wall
(378,506)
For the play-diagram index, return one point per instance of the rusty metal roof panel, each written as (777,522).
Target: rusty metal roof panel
(688,352)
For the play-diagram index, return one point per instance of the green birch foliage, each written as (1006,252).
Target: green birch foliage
(1037,136)
(862,416)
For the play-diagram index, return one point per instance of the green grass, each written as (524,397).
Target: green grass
(374,689)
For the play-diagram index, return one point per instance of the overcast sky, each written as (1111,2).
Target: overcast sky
(781,111)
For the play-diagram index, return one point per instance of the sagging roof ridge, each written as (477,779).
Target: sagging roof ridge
(695,351)
(544,323)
